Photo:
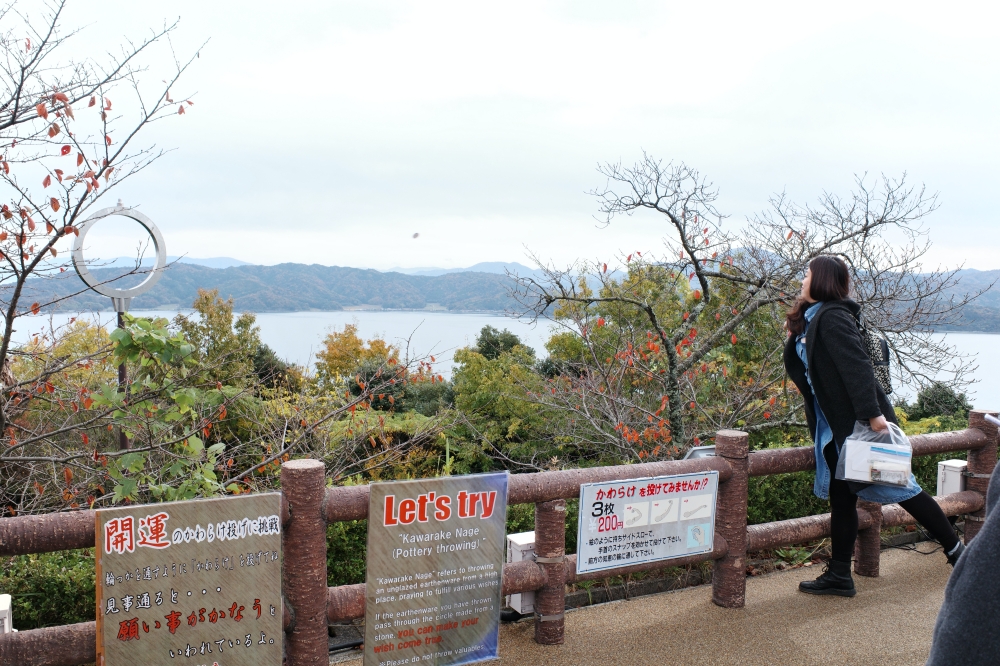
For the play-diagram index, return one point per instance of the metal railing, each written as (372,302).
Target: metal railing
(308,506)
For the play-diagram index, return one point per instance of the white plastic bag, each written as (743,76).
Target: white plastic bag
(881,458)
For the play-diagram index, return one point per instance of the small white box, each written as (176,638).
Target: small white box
(521,547)
(951,477)
(6,619)
(876,462)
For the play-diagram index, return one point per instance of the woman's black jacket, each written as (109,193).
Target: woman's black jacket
(841,371)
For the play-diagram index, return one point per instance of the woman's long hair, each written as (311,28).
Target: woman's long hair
(830,281)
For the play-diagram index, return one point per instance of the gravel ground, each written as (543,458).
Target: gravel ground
(889,622)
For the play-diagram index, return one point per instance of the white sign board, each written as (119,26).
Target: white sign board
(624,523)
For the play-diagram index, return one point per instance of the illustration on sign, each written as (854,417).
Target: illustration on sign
(435,559)
(198,579)
(623,523)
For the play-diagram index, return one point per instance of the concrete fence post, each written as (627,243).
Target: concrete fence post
(868,548)
(550,553)
(729,575)
(980,467)
(303,579)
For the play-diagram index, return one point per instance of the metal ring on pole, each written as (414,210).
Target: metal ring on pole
(121,298)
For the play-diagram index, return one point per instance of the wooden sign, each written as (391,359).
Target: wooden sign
(435,560)
(195,582)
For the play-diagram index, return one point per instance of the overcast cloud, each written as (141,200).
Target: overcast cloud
(331,132)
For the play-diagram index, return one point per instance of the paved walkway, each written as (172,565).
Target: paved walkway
(889,622)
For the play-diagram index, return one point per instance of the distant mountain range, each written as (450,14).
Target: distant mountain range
(288,288)
(298,287)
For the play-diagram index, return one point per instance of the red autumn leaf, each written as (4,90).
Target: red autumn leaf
(767,415)
(31,224)
(717,316)
(86,440)
(93,100)
(692,404)
(189,102)
(605,268)
(733,338)
(180,109)
(107,139)
(107,173)
(55,208)
(107,103)
(59,174)
(600,321)
(686,315)
(697,294)
(65,150)
(629,258)
(79,159)
(35,308)
(693,334)
(87,402)
(433,360)
(61,97)
(772,401)
(46,181)
(40,108)
(789,237)
(48,228)
(53,130)
(6,168)
(3,234)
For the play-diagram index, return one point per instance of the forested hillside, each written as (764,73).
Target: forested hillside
(297,287)
(289,288)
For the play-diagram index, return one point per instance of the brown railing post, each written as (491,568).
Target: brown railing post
(868,548)
(980,467)
(303,541)
(729,575)
(550,553)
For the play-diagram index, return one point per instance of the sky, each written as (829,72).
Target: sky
(331,132)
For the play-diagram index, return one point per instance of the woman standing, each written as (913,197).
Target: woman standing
(826,358)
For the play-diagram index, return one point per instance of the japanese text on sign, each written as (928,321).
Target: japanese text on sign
(623,523)
(190,579)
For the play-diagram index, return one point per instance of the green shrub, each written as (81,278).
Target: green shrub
(783,496)
(346,546)
(50,589)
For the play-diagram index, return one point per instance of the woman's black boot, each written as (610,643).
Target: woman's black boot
(955,554)
(836,579)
